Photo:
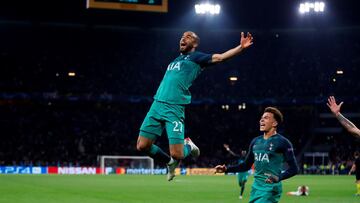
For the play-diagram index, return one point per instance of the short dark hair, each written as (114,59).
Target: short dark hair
(276,112)
(196,37)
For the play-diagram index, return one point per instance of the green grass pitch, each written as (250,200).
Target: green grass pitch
(148,188)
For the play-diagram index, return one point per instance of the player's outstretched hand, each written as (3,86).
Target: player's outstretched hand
(246,41)
(335,108)
(227,147)
(271,178)
(220,168)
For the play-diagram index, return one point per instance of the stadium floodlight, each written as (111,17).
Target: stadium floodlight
(339,72)
(319,6)
(307,7)
(207,8)
(242,106)
(233,78)
(71,74)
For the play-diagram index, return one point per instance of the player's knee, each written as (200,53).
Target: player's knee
(177,156)
(142,147)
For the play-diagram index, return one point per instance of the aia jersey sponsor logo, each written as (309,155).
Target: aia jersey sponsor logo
(262,157)
(174,66)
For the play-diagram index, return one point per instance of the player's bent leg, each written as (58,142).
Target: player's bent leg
(238,176)
(175,128)
(151,128)
(179,151)
(145,145)
(176,153)
(242,186)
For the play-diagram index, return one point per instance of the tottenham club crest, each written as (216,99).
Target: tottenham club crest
(271,146)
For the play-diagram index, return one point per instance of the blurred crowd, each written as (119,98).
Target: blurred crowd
(287,65)
(76,133)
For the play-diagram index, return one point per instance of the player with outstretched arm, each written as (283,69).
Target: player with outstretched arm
(346,123)
(242,177)
(168,108)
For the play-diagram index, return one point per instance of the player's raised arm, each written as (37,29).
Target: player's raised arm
(245,42)
(335,109)
(227,147)
(246,165)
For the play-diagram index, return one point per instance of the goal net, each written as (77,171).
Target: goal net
(109,164)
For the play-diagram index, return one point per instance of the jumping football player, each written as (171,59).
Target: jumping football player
(168,109)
